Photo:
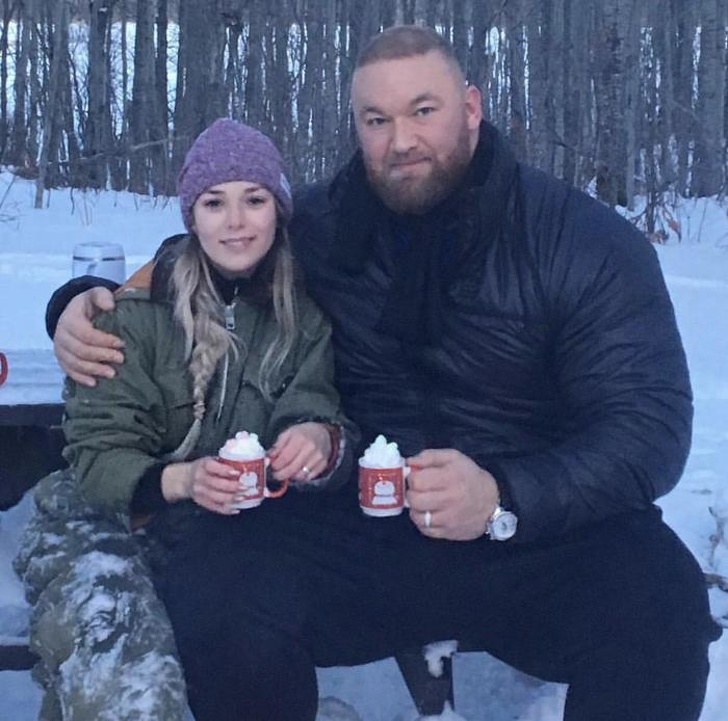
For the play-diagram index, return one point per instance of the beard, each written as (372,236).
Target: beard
(418,195)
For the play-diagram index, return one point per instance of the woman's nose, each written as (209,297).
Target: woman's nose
(236,216)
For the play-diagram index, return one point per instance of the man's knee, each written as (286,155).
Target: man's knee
(252,671)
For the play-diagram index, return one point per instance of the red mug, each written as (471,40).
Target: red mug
(252,478)
(382,490)
(3,368)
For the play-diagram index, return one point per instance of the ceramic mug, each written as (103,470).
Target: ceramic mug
(253,487)
(3,368)
(382,490)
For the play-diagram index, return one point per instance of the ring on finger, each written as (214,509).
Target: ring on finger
(428,519)
(306,471)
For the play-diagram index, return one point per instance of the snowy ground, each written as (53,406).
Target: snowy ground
(36,249)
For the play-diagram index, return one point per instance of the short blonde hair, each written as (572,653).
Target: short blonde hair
(407,41)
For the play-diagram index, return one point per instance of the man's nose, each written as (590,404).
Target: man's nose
(404,135)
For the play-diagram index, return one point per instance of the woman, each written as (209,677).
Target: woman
(222,340)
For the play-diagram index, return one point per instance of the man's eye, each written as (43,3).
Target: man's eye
(426,110)
(374,122)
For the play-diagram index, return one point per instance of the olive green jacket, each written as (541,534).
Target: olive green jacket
(118,430)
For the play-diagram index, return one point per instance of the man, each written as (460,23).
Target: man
(517,340)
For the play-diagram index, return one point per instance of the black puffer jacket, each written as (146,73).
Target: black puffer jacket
(557,363)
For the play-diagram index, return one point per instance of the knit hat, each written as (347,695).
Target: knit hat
(227,151)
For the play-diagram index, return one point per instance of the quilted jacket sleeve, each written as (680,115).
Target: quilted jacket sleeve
(621,372)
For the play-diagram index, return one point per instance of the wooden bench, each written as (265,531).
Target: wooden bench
(30,447)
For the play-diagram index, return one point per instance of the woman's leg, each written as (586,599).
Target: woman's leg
(104,641)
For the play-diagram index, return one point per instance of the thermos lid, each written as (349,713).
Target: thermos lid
(98,250)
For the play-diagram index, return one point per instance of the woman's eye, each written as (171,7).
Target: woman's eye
(257,199)
(212,203)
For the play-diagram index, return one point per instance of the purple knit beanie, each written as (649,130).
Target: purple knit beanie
(227,151)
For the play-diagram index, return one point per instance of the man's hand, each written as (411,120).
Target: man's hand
(301,452)
(83,352)
(459,495)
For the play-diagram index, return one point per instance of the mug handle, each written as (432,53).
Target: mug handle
(278,492)
(3,368)
(406,470)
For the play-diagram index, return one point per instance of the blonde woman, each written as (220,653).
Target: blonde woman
(219,339)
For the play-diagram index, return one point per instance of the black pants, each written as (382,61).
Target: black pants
(618,611)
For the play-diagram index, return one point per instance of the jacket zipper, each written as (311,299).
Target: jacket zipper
(230,312)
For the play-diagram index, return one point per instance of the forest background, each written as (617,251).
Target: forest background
(629,97)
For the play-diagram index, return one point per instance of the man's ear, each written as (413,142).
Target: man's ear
(473,106)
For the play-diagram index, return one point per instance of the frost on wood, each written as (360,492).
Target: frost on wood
(436,652)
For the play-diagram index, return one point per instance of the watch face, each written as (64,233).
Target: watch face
(503,526)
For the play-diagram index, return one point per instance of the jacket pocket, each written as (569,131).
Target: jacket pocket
(178,403)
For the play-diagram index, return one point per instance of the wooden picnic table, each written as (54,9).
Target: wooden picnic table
(31,395)
(31,408)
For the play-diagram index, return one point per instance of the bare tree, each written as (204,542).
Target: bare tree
(541,33)
(143,110)
(576,95)
(8,12)
(517,78)
(614,85)
(683,119)
(21,145)
(200,91)
(630,92)
(52,126)
(98,135)
(708,171)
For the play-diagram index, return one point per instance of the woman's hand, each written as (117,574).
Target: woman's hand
(301,452)
(208,482)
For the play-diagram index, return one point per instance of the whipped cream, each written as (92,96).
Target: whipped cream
(381,454)
(243,446)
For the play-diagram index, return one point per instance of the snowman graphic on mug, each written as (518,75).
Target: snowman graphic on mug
(245,453)
(382,474)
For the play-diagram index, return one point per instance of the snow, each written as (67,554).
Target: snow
(36,251)
(435,655)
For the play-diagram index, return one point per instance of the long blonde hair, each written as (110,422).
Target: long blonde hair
(199,309)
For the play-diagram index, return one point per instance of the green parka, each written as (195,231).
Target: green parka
(120,429)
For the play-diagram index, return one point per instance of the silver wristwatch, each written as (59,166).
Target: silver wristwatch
(502,524)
